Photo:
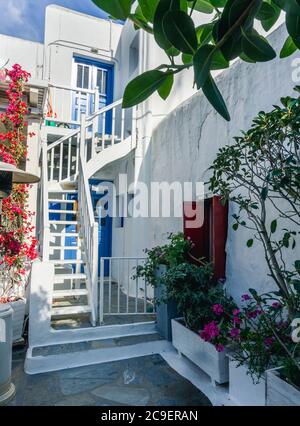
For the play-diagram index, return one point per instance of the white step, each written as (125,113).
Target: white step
(60,294)
(66,234)
(58,278)
(71,310)
(64,211)
(63,191)
(63,222)
(62,201)
(66,261)
(64,247)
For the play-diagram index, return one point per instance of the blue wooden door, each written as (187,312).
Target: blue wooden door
(105,227)
(89,74)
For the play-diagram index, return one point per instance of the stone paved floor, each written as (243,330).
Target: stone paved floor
(142,381)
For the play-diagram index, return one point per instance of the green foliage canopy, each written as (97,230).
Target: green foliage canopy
(229,34)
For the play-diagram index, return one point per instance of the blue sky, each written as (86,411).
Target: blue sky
(25,18)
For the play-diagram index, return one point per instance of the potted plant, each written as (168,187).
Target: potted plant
(254,348)
(159,260)
(202,303)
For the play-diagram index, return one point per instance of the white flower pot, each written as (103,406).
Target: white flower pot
(279,392)
(18,308)
(242,390)
(201,353)
(7,389)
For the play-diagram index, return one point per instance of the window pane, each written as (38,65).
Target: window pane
(86,78)
(99,79)
(104,83)
(79,75)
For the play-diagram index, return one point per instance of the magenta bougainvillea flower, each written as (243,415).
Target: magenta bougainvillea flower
(210,331)
(218,309)
(245,297)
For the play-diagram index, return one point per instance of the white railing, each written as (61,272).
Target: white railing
(103,129)
(121,291)
(64,102)
(107,127)
(89,235)
(63,157)
(44,218)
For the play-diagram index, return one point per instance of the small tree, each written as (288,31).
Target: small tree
(229,34)
(260,173)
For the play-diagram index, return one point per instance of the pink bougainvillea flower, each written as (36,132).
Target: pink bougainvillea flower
(236,312)
(269,341)
(218,309)
(235,332)
(245,297)
(210,331)
(236,321)
(219,347)
(276,305)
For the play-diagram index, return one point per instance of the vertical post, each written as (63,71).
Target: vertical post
(46,231)
(95,266)
(61,153)
(82,136)
(122,123)
(134,128)
(95,127)
(113,130)
(101,298)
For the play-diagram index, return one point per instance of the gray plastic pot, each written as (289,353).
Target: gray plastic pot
(7,389)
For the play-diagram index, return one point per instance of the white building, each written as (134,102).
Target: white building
(84,138)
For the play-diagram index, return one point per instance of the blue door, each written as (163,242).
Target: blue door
(89,74)
(105,227)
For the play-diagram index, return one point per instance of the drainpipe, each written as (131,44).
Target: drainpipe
(7,389)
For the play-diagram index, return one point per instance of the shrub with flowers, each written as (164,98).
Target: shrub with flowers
(258,334)
(17,243)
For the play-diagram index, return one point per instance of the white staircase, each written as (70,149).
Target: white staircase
(70,288)
(64,281)
(67,212)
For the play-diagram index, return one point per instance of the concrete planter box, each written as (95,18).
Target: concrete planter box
(7,389)
(242,390)
(201,353)
(279,392)
(165,312)
(18,308)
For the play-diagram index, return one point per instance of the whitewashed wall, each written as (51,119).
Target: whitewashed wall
(28,54)
(185,144)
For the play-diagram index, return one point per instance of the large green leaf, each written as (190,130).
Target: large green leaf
(143,86)
(202,62)
(164,6)
(180,31)
(165,89)
(148,8)
(257,47)
(214,96)
(227,30)
(203,6)
(119,9)
(218,61)
(293,20)
(289,48)
(268,14)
